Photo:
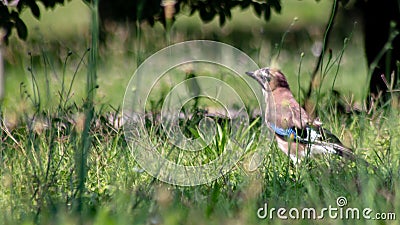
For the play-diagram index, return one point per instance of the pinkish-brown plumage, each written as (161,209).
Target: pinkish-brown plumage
(296,135)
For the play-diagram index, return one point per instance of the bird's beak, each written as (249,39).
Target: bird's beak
(250,73)
(253,75)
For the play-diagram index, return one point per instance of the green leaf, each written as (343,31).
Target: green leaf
(207,14)
(267,12)
(244,4)
(194,132)
(20,6)
(221,19)
(258,8)
(22,30)
(228,13)
(192,11)
(34,9)
(276,4)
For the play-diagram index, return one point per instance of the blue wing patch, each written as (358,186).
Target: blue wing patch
(287,133)
(306,135)
(319,139)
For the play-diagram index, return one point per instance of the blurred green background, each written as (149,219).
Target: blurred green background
(66,28)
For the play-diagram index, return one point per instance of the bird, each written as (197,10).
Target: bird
(296,134)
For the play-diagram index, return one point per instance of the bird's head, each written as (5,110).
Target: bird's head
(269,77)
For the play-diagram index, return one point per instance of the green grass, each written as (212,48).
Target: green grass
(49,175)
(39,178)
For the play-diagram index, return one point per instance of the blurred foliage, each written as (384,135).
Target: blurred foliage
(150,11)
(208,9)
(153,10)
(10,12)
(136,10)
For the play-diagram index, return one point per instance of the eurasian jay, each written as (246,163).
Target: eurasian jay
(296,135)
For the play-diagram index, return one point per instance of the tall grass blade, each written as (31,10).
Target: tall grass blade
(84,148)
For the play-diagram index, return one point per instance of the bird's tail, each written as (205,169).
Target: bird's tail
(343,151)
(318,147)
(347,153)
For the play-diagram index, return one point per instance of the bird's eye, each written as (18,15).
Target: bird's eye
(264,78)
